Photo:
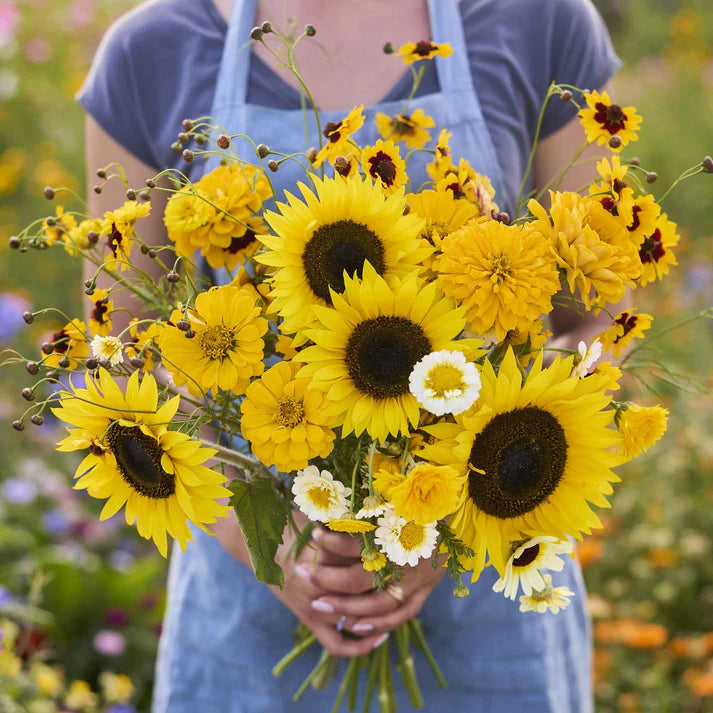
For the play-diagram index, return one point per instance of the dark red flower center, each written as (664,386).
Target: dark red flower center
(404,125)
(610,116)
(609,204)
(100,309)
(114,239)
(238,244)
(424,48)
(652,249)
(628,321)
(528,556)
(331,131)
(618,185)
(60,342)
(382,166)
(636,222)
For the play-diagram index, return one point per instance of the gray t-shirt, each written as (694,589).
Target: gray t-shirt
(158,65)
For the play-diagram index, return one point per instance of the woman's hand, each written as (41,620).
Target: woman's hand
(350,593)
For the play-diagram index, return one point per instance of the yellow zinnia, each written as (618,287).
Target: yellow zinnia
(367,345)
(382,162)
(412,129)
(503,275)
(640,427)
(135,460)
(227,347)
(602,119)
(417,51)
(284,419)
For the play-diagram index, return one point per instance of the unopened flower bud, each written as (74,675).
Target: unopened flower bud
(97,189)
(144,250)
(200,139)
(503,217)
(707,164)
(187,124)
(652,177)
(614,142)
(93,237)
(18,425)
(312,154)
(262,150)
(173,276)
(51,222)
(635,161)
(130,194)
(53,375)
(189,334)
(256,34)
(176,147)
(63,362)
(273,165)
(47,348)
(144,195)
(28,394)
(183,324)
(28,317)
(310,30)
(388,48)
(187,155)
(461,591)
(37,419)
(32,367)
(14,242)
(91,363)
(136,362)
(89,291)
(101,173)
(182,138)
(266,27)
(223,141)
(150,183)
(151,253)
(566,95)
(340,162)
(49,193)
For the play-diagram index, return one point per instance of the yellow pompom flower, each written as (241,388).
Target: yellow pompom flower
(417,51)
(640,427)
(243,245)
(367,344)
(505,276)
(535,452)
(428,493)
(412,129)
(350,524)
(655,251)
(49,680)
(99,321)
(227,348)
(373,560)
(338,228)
(135,461)
(384,165)
(626,327)
(602,119)
(71,342)
(338,135)
(284,419)
(186,212)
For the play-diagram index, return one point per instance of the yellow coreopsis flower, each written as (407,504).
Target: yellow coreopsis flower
(77,238)
(602,119)
(99,321)
(118,226)
(80,696)
(382,162)
(465,183)
(640,427)
(655,251)
(441,156)
(412,129)
(71,342)
(63,223)
(338,135)
(624,329)
(417,51)
(142,343)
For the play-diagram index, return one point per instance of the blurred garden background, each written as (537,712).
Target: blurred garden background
(81,601)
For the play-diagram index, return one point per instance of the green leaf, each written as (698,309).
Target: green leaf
(262,518)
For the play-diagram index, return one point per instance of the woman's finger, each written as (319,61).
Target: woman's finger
(337,543)
(340,647)
(344,580)
(372,604)
(393,620)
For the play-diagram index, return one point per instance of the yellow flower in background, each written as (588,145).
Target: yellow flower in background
(535,452)
(116,688)
(527,345)
(12,162)
(347,168)
(49,680)
(99,321)
(10,663)
(645,213)
(626,327)
(441,156)
(126,216)
(373,560)
(503,275)
(428,493)
(603,119)
(119,226)
(227,348)
(611,375)
(63,223)
(412,129)
(285,346)
(284,419)
(77,238)
(350,524)
(655,251)
(417,51)
(142,343)
(338,135)
(384,165)
(640,427)
(79,696)
(71,342)
(135,461)
(337,228)
(367,344)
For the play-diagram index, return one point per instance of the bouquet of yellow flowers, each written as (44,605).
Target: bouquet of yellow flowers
(380,359)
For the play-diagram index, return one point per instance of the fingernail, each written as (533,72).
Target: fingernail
(362,627)
(325,607)
(380,640)
(302,572)
(317,534)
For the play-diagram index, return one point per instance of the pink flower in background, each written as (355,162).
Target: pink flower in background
(38,50)
(110,643)
(80,13)
(9,21)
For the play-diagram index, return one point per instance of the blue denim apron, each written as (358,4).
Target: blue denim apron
(223,630)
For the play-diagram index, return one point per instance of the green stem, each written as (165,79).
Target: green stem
(353,684)
(372,674)
(352,670)
(421,640)
(406,668)
(296,652)
(312,674)
(387,702)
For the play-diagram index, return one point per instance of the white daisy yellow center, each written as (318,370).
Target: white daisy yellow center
(319,496)
(108,349)
(412,536)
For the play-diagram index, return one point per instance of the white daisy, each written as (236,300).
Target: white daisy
(525,564)
(318,495)
(108,349)
(403,541)
(444,382)
(586,358)
(552,598)
(372,506)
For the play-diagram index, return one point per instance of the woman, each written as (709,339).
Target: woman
(172,59)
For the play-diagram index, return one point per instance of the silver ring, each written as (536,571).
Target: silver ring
(340,623)
(395,592)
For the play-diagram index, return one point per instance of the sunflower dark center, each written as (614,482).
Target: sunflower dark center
(138,458)
(528,556)
(238,244)
(523,453)
(611,117)
(382,166)
(652,249)
(381,354)
(338,247)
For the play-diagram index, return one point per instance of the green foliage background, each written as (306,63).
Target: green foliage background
(653,563)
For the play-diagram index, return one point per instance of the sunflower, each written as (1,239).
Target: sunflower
(504,275)
(99,321)
(417,51)
(338,135)
(655,251)
(412,129)
(334,232)
(227,347)
(640,427)
(382,162)
(367,345)
(134,460)
(71,343)
(534,453)
(602,119)
(626,327)
(284,421)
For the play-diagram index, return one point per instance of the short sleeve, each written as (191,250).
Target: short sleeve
(581,55)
